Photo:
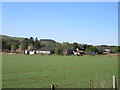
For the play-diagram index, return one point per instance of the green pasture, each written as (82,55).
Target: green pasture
(26,71)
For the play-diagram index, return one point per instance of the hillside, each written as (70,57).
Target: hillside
(11,40)
(4,37)
(8,43)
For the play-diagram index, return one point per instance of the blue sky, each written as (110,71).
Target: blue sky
(83,22)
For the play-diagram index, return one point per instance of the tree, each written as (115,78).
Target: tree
(37,44)
(58,45)
(24,44)
(8,46)
(115,49)
(4,43)
(31,41)
(75,45)
(36,39)
(14,46)
(65,45)
(118,49)
(85,46)
(89,48)
(57,51)
(93,49)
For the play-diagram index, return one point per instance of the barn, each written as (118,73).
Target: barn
(68,51)
(45,50)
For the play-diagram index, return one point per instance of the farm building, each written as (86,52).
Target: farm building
(30,52)
(104,51)
(78,51)
(26,52)
(45,50)
(107,51)
(68,51)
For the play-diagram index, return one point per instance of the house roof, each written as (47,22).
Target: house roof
(47,49)
(19,50)
(79,51)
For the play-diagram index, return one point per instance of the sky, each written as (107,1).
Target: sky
(93,23)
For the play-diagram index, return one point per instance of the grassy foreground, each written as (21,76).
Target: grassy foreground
(25,71)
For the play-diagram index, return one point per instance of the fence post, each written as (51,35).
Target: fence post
(91,86)
(114,83)
(53,87)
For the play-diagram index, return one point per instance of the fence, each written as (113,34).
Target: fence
(53,87)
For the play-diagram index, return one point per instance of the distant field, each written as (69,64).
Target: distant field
(25,71)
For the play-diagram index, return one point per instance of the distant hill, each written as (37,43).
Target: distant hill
(5,37)
(19,39)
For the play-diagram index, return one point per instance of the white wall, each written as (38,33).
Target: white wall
(26,52)
(32,52)
(43,52)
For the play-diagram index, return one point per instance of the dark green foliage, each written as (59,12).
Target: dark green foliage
(9,43)
(88,48)
(58,51)
(37,44)
(115,49)
(4,43)
(47,40)
(36,39)
(14,46)
(24,44)
(65,45)
(8,46)
(13,43)
(31,41)
(85,46)
(118,49)
(75,45)
(93,49)
(48,43)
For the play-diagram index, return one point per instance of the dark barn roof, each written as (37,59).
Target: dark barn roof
(47,49)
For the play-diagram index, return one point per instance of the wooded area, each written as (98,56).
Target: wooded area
(11,44)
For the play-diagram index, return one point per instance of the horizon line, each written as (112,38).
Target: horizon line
(60,41)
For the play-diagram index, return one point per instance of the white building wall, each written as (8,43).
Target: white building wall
(43,52)
(26,51)
(32,52)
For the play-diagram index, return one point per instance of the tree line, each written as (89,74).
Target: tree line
(8,45)
(34,44)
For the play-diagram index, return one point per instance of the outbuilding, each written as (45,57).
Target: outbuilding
(45,50)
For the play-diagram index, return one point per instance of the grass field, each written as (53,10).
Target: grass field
(25,71)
